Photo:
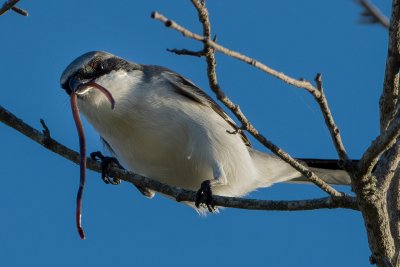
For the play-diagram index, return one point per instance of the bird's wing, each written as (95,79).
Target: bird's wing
(186,88)
(107,146)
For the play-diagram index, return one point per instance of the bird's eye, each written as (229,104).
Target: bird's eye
(97,65)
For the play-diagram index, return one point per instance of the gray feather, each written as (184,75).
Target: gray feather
(189,90)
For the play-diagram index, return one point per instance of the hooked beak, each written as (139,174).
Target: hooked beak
(78,87)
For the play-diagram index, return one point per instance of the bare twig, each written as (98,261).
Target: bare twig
(46,130)
(211,63)
(329,121)
(212,77)
(289,80)
(20,11)
(186,52)
(179,194)
(10,4)
(46,133)
(372,14)
(301,83)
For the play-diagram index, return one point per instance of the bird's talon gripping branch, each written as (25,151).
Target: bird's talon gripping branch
(204,196)
(106,164)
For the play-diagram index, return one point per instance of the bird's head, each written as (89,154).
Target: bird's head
(95,70)
(86,68)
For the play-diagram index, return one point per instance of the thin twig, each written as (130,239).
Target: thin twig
(372,14)
(179,194)
(46,130)
(46,133)
(329,121)
(20,11)
(213,82)
(185,52)
(10,4)
(289,80)
(211,63)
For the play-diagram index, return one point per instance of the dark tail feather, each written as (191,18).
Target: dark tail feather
(328,170)
(332,164)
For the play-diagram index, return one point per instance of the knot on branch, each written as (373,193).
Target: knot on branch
(168,23)
(369,188)
(252,62)
(336,130)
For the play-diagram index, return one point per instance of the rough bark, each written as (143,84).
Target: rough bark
(376,181)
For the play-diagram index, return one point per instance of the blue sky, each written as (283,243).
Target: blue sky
(300,38)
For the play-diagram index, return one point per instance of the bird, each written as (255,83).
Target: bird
(164,127)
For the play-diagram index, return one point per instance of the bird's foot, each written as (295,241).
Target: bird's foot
(109,162)
(106,164)
(204,196)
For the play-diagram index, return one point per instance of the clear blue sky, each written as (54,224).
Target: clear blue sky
(300,38)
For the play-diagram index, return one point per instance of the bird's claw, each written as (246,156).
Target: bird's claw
(106,164)
(204,196)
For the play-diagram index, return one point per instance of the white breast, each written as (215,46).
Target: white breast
(162,135)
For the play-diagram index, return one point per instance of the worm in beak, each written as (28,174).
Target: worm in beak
(78,89)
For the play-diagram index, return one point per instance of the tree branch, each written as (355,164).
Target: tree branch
(387,170)
(317,92)
(289,80)
(382,143)
(393,193)
(213,82)
(210,46)
(390,93)
(330,123)
(186,52)
(390,123)
(371,187)
(179,194)
(386,167)
(372,14)
(10,4)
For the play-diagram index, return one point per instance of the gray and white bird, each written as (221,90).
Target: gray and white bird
(164,127)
